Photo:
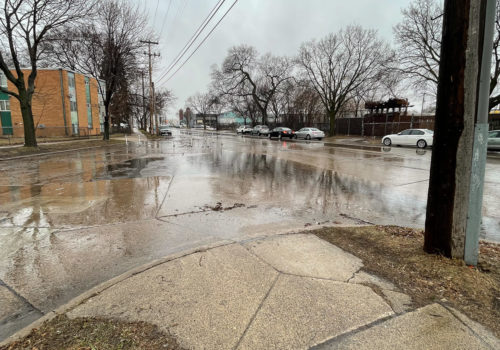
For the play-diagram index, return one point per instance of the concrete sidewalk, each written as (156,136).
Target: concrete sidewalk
(292,291)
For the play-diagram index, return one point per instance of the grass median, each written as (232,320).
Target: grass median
(12,152)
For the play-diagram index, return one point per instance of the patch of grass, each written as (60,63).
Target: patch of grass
(151,136)
(94,333)
(396,254)
(54,147)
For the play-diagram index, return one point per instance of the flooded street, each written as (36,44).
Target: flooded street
(73,220)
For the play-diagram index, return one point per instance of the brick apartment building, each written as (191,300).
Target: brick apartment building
(65,103)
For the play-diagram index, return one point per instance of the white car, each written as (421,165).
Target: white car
(244,129)
(494,140)
(410,137)
(309,133)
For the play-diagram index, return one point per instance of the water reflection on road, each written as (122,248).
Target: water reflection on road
(70,222)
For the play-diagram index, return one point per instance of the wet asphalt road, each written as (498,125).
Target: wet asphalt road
(71,221)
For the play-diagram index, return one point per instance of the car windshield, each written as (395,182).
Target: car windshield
(314,129)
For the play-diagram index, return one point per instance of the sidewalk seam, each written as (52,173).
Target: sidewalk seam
(451,311)
(339,337)
(257,311)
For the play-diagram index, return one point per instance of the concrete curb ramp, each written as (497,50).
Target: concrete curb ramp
(280,292)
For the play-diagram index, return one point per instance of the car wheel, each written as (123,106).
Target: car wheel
(308,137)
(421,144)
(319,139)
(258,134)
(387,141)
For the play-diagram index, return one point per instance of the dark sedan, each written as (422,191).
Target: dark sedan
(281,132)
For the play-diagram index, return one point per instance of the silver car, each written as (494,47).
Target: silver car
(260,130)
(309,134)
(494,140)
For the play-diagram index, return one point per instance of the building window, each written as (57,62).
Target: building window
(3,80)
(71,80)
(4,105)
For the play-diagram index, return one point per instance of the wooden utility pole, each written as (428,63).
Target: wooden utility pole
(456,112)
(143,124)
(151,97)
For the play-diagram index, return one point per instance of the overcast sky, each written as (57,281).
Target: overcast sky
(276,26)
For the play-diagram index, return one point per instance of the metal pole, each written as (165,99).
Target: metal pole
(480,141)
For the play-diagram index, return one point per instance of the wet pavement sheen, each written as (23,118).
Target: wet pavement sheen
(71,221)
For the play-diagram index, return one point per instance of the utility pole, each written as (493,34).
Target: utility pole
(480,137)
(143,103)
(151,97)
(464,46)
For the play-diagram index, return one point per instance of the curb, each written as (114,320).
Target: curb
(105,285)
(137,270)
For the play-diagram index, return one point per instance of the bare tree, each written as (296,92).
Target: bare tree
(25,25)
(200,103)
(340,63)
(244,74)
(108,49)
(418,40)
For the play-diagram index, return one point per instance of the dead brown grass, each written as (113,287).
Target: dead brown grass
(12,152)
(94,333)
(396,254)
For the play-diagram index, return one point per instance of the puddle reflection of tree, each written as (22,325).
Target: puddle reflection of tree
(329,191)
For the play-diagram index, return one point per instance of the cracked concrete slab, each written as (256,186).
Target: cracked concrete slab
(301,312)
(205,299)
(363,277)
(399,302)
(306,255)
(430,327)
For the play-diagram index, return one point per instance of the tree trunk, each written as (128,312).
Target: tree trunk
(331,117)
(28,124)
(106,122)
(449,181)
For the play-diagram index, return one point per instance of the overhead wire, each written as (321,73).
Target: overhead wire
(201,43)
(166,19)
(193,38)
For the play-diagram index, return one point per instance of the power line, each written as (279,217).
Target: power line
(193,38)
(205,38)
(156,11)
(166,19)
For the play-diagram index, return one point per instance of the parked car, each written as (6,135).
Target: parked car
(260,130)
(494,140)
(244,129)
(410,137)
(281,132)
(165,131)
(309,133)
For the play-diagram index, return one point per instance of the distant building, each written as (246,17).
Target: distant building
(181,115)
(64,103)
